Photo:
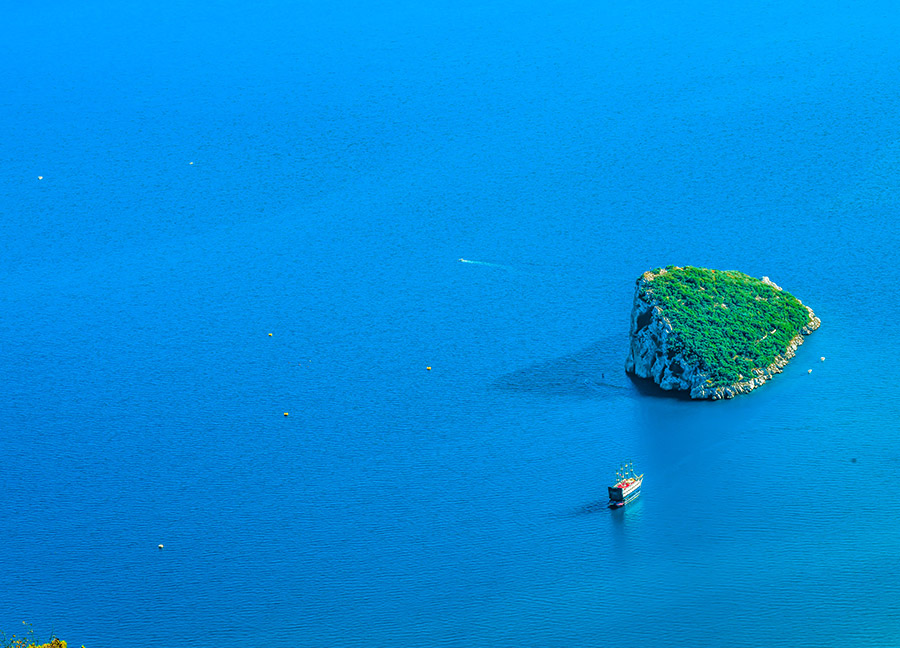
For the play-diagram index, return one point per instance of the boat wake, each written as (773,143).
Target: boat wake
(485,263)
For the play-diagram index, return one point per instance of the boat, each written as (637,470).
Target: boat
(627,488)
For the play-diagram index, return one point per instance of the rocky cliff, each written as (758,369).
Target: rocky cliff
(693,335)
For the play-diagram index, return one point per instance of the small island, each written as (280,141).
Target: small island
(713,333)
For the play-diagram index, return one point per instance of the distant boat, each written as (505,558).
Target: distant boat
(627,488)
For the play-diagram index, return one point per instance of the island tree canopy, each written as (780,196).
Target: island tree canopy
(727,322)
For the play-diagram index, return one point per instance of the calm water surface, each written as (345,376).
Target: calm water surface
(217,172)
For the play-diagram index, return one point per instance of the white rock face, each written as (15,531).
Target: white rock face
(649,355)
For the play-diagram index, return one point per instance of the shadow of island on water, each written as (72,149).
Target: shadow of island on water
(647,387)
(593,372)
(596,371)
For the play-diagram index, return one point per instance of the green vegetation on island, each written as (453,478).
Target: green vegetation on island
(27,640)
(726,322)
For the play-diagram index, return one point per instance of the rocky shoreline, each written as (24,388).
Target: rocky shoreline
(650,355)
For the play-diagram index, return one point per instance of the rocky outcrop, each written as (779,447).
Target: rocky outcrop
(652,355)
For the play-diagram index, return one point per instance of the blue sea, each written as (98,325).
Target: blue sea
(216,213)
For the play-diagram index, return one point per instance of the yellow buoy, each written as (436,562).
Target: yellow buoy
(160,546)
(270,335)
(285,413)
(190,162)
(428,368)
(40,177)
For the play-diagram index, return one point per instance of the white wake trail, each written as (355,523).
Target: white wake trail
(485,263)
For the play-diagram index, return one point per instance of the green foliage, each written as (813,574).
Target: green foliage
(728,323)
(27,640)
